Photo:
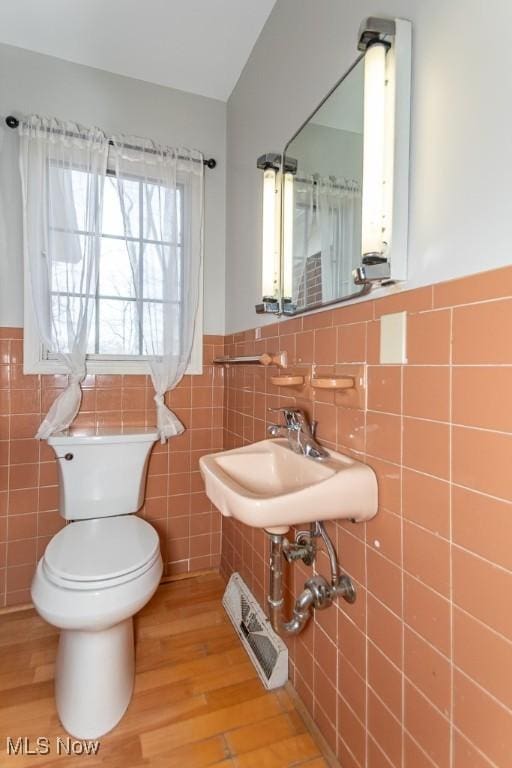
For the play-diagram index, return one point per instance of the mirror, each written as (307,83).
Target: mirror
(323,199)
(335,203)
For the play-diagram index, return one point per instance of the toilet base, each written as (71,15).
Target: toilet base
(94,678)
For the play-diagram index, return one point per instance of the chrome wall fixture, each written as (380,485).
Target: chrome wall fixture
(272,267)
(386,44)
(299,433)
(386,47)
(374,40)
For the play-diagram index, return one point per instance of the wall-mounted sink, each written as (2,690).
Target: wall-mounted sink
(267,485)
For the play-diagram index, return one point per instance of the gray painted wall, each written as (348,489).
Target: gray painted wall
(31,82)
(461,148)
(328,152)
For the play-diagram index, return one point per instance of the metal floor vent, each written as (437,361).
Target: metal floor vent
(266,650)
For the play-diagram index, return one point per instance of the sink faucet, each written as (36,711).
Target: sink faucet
(300,433)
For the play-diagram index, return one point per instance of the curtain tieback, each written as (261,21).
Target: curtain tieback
(64,409)
(159,400)
(167,422)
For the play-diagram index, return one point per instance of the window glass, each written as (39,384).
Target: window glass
(157,200)
(118,328)
(115,328)
(112,214)
(64,311)
(115,269)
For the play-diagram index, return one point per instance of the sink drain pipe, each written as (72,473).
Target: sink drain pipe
(317,593)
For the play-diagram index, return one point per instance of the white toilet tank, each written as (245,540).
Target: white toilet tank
(102,472)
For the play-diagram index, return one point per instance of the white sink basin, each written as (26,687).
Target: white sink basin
(267,485)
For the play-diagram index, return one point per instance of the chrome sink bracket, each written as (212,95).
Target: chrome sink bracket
(317,593)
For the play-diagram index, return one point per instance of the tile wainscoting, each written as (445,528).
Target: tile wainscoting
(418,672)
(189,527)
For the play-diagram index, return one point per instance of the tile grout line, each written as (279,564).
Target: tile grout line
(450,512)
(4,597)
(478,685)
(402,581)
(485,757)
(366,639)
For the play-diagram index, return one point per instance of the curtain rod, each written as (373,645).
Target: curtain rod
(13,122)
(355,186)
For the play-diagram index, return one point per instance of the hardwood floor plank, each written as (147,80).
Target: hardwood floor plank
(225,764)
(17,695)
(202,754)
(210,724)
(282,754)
(44,672)
(257,735)
(193,669)
(238,693)
(15,678)
(177,626)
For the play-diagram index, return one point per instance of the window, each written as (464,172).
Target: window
(115,343)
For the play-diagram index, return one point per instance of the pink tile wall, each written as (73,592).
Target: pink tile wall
(418,672)
(176,505)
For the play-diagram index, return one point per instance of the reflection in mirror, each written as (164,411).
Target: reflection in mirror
(322,199)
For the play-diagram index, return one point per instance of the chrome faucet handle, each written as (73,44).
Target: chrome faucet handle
(296,418)
(293,417)
(300,433)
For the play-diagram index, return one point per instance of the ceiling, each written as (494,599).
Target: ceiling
(200,46)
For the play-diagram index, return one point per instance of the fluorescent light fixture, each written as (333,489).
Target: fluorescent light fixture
(288,211)
(271,234)
(386,44)
(374,150)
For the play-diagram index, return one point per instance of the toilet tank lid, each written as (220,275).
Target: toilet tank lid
(104,435)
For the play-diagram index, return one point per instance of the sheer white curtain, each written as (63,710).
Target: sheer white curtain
(339,205)
(63,168)
(165,248)
(327,224)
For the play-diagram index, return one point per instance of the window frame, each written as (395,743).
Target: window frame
(38,360)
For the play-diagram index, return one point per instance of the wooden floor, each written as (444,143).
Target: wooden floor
(198,701)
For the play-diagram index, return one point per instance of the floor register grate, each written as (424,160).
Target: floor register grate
(265,648)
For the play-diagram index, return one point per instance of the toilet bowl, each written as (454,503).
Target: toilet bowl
(96,573)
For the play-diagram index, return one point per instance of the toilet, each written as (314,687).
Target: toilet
(97,572)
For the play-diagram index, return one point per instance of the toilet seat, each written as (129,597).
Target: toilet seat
(101,553)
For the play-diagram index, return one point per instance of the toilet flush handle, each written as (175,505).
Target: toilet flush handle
(67,457)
